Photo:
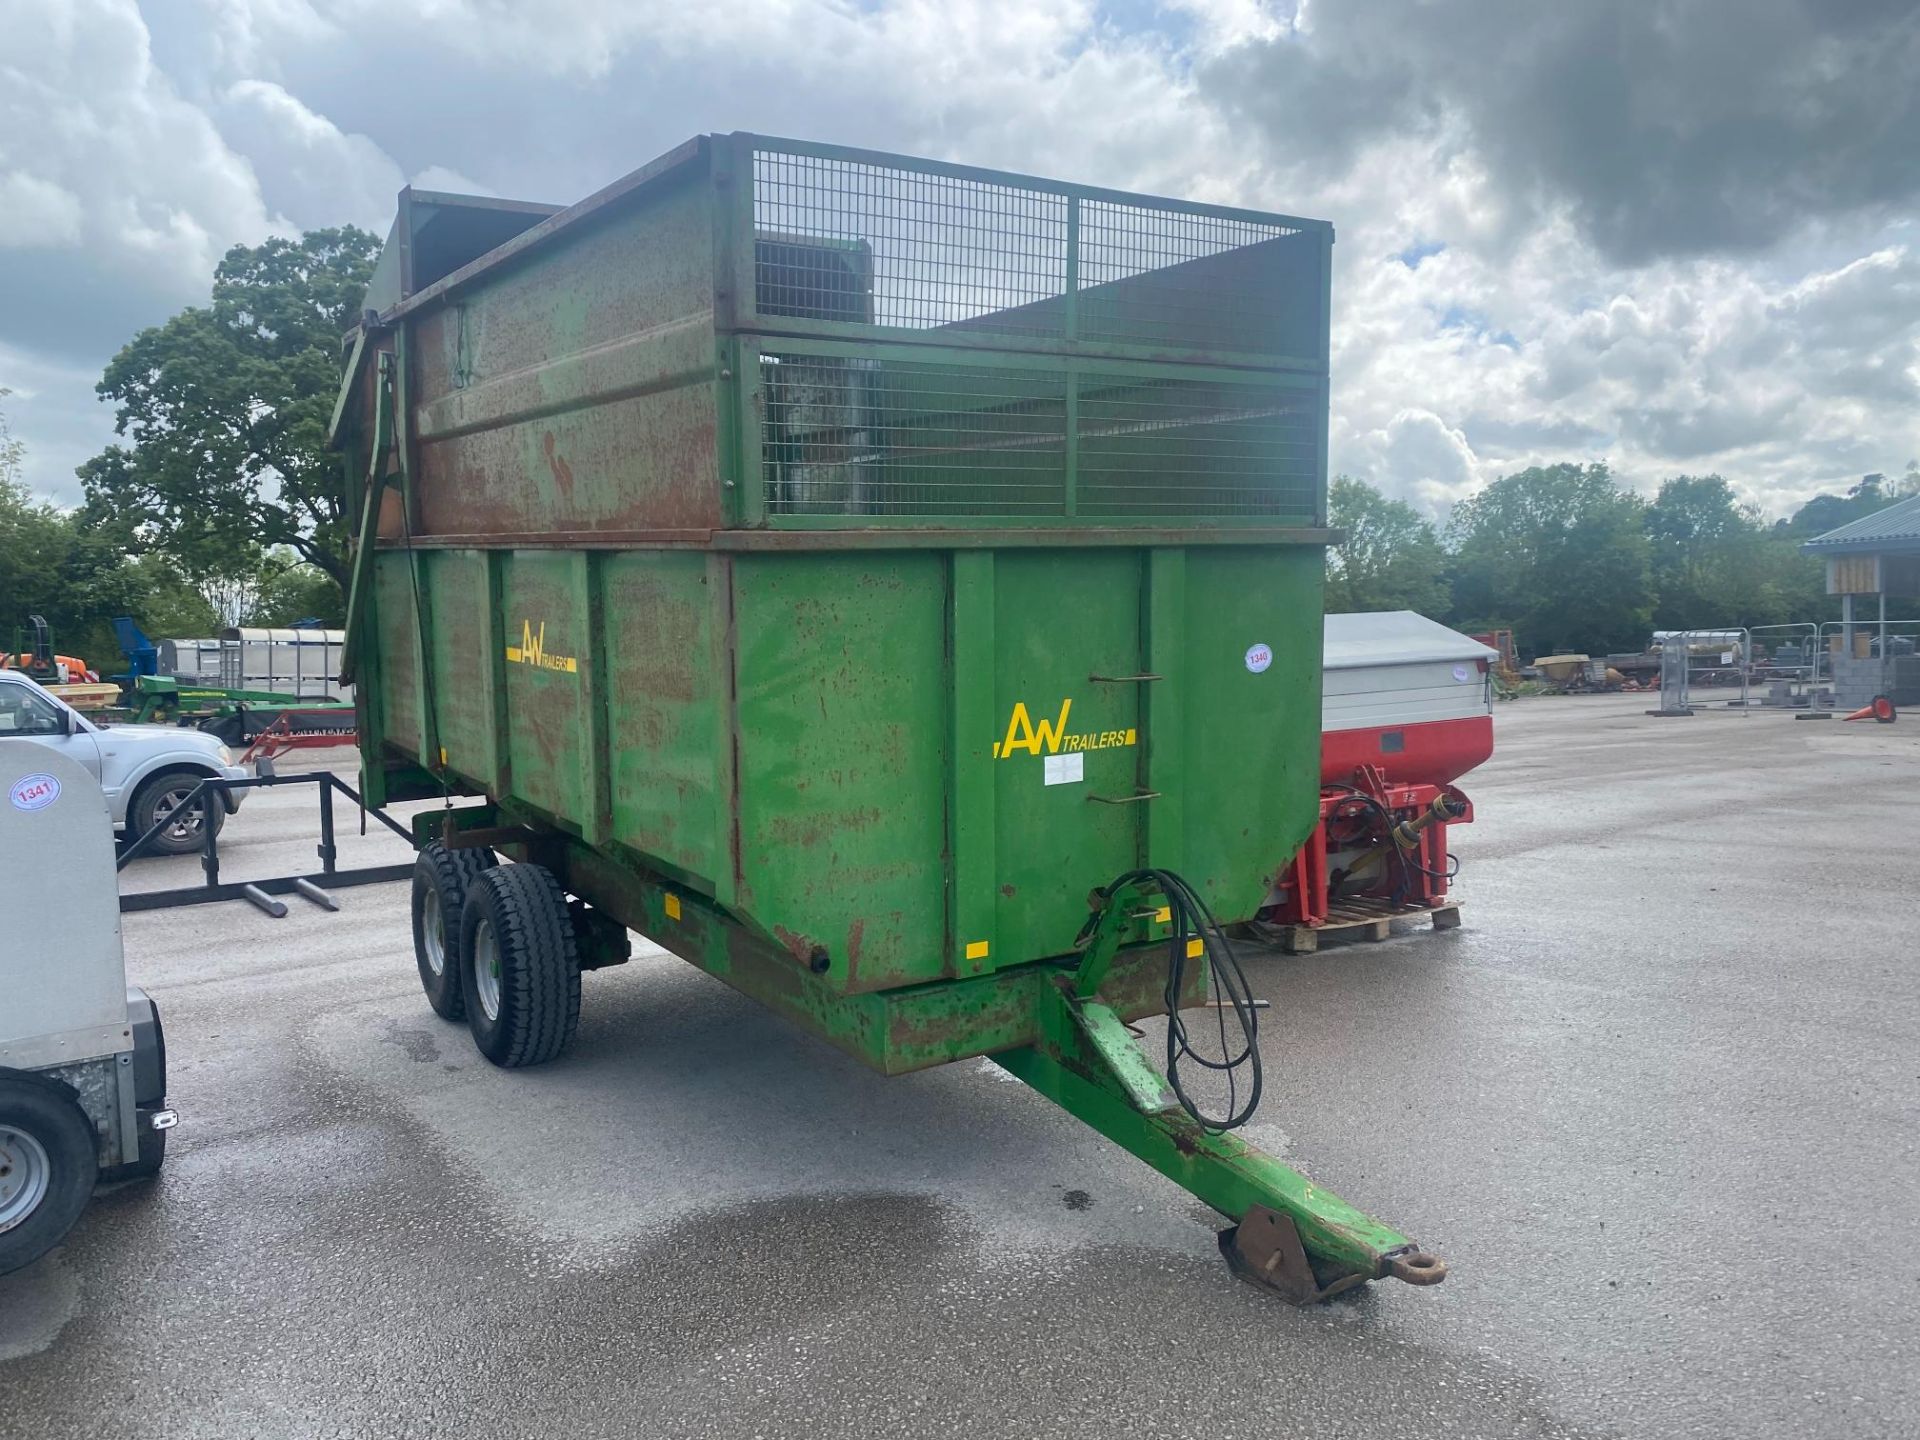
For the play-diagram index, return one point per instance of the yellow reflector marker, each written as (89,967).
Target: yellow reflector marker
(1196,947)
(673,907)
(976,950)
(1164,914)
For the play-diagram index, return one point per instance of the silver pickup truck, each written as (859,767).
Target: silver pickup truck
(145,771)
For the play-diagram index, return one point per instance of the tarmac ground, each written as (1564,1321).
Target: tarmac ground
(1656,1102)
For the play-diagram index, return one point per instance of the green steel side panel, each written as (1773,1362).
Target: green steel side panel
(575,391)
(458,645)
(397,646)
(1250,779)
(971,743)
(625,274)
(665,709)
(841,733)
(1065,765)
(611,463)
(549,653)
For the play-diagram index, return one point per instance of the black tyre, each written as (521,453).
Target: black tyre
(48,1165)
(519,966)
(162,797)
(441,880)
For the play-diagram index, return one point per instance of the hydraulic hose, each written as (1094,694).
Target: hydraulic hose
(1197,935)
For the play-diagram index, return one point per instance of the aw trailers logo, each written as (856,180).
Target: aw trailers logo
(1050,737)
(532,650)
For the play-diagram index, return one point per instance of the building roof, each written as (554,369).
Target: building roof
(1894,530)
(1395,637)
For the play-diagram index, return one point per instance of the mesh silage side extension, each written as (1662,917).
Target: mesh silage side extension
(1167,296)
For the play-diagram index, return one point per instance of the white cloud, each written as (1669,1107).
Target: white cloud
(311,171)
(146,178)
(1484,319)
(53,413)
(35,211)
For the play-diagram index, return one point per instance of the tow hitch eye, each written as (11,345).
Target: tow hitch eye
(1418,1268)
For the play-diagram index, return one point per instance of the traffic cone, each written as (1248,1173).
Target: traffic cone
(1881,710)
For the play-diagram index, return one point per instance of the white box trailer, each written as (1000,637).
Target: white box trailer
(298,662)
(193,662)
(82,1061)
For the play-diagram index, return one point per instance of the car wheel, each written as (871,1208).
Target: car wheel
(164,797)
(441,880)
(48,1165)
(520,966)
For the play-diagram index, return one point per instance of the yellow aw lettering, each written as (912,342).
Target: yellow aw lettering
(532,650)
(1023,735)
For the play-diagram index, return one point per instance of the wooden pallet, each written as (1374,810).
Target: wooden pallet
(1372,919)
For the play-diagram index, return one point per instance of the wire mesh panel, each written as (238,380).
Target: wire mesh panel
(1160,325)
(856,436)
(861,240)
(885,245)
(1179,280)
(1197,447)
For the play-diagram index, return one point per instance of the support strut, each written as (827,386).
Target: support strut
(1290,1236)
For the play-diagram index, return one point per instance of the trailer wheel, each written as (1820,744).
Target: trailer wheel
(48,1165)
(441,880)
(520,966)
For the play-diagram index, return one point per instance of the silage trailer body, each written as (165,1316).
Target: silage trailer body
(836,566)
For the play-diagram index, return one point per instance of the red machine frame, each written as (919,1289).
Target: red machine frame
(1305,898)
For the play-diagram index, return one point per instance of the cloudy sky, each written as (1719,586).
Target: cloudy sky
(1679,235)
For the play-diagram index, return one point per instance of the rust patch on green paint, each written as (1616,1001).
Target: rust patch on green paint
(798,946)
(561,471)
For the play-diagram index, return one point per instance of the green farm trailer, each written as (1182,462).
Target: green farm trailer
(891,586)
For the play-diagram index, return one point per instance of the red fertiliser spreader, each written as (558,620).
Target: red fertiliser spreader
(1406,710)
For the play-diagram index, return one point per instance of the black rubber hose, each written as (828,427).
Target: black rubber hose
(1192,919)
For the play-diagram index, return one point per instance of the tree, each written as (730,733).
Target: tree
(1828,512)
(1712,564)
(1390,558)
(12,452)
(1560,554)
(291,592)
(226,408)
(75,571)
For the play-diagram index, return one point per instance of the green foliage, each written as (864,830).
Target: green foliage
(1714,562)
(1391,557)
(226,408)
(12,452)
(290,593)
(1560,554)
(74,569)
(1570,561)
(1828,512)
